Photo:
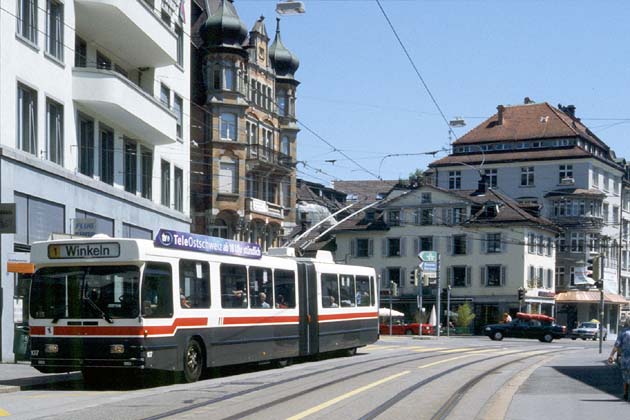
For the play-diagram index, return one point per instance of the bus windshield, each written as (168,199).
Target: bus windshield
(85,292)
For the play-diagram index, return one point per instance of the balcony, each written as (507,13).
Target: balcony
(119,101)
(269,156)
(265,208)
(129,29)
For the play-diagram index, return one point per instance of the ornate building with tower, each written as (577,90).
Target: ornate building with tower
(243,127)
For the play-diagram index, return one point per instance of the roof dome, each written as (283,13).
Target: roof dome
(284,62)
(224,27)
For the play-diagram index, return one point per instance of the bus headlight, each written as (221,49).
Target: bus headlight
(117,348)
(51,348)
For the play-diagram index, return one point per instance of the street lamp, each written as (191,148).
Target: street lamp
(289,7)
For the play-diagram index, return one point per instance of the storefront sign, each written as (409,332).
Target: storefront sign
(7,218)
(85,226)
(542,293)
(209,244)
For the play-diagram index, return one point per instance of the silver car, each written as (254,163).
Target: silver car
(588,330)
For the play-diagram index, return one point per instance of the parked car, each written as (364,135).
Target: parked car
(588,330)
(525,325)
(401,327)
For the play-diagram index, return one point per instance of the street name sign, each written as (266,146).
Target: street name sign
(427,266)
(428,256)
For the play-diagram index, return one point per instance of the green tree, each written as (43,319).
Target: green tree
(464,315)
(416,178)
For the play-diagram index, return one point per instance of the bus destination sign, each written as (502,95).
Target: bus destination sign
(85,250)
(209,244)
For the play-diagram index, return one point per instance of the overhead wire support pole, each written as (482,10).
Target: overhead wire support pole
(309,230)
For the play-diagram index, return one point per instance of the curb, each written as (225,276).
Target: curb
(6,389)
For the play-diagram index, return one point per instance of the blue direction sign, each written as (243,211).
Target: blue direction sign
(428,256)
(428,266)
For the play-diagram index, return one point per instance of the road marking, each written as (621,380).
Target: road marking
(4,413)
(482,351)
(425,349)
(459,349)
(443,361)
(381,347)
(327,404)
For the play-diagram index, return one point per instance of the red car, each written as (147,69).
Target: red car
(400,327)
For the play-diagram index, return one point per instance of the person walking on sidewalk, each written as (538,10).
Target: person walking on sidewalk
(622,348)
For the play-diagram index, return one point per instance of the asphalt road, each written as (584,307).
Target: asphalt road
(396,378)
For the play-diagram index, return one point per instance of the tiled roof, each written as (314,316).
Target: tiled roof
(575,191)
(513,156)
(529,122)
(364,190)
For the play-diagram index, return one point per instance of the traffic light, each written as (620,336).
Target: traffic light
(521,294)
(594,269)
(599,284)
(413,276)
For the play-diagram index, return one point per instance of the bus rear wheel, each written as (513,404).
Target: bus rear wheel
(193,362)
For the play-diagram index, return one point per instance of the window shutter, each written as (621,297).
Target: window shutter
(403,243)
(483,245)
(384,279)
(449,275)
(449,245)
(384,247)
(469,245)
(353,247)
(370,247)
(436,242)
(503,244)
(417,217)
(468,276)
(445,220)
(503,275)
(482,278)
(416,245)
(403,276)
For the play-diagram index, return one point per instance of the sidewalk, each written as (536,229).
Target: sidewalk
(13,376)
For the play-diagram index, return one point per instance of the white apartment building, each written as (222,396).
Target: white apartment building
(481,237)
(94,105)
(545,157)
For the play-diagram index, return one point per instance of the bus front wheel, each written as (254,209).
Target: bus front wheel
(193,361)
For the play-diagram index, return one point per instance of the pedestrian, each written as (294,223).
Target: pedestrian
(506,318)
(622,349)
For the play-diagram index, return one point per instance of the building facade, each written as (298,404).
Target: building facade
(545,157)
(93,127)
(244,148)
(480,237)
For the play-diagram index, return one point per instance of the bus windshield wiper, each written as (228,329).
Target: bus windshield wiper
(104,314)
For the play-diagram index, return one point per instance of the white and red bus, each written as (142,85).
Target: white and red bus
(185,302)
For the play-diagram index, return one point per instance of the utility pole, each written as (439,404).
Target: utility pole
(448,310)
(439,296)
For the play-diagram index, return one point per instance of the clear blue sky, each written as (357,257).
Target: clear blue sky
(359,92)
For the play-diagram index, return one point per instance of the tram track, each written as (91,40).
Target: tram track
(399,359)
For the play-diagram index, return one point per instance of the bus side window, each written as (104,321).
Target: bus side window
(363,291)
(347,290)
(260,288)
(330,291)
(233,286)
(194,284)
(157,291)
(284,281)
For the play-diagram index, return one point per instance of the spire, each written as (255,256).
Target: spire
(259,28)
(224,27)
(284,62)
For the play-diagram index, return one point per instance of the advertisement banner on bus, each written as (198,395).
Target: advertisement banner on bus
(209,244)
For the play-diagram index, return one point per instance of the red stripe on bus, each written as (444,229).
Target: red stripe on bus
(334,317)
(258,320)
(80,330)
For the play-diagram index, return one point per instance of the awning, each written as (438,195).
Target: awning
(579,296)
(385,312)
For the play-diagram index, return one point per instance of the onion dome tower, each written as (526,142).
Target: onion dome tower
(283,61)
(223,28)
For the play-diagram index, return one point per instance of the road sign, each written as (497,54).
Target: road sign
(427,267)
(428,256)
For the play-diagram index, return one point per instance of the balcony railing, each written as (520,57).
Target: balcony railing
(257,205)
(266,154)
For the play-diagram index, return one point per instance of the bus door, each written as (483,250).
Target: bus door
(309,327)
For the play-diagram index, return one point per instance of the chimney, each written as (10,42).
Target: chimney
(571,110)
(500,110)
(527,101)
(482,185)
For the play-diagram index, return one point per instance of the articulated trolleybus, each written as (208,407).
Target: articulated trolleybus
(184,302)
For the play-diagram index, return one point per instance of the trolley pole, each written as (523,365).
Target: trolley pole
(601,317)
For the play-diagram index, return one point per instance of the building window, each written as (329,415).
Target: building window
(131,231)
(494,275)
(595,174)
(615,215)
(282,102)
(228,126)
(54,132)
(179,189)
(459,244)
(363,247)
(228,82)
(130,166)
(393,217)
(38,219)
(180,45)
(426,216)
(394,275)
(147,172)
(285,146)
(102,61)
(425,243)
(572,276)
(165,95)
(491,177)
(531,243)
(27,119)
(54,29)
(165,173)
(493,243)
(107,155)
(86,145)
(566,171)
(527,176)
(425,198)
(27,20)
(80,52)
(393,247)
(454,180)
(459,276)
(228,177)
(606,212)
(178,108)
(560,280)
(578,241)
(458,215)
